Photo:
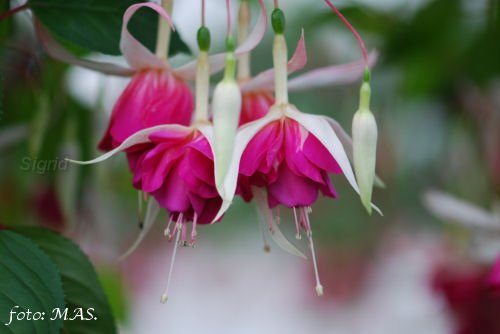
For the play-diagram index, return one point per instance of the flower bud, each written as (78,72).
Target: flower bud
(364,137)
(226,106)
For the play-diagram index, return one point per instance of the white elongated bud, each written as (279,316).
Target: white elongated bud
(364,139)
(226,107)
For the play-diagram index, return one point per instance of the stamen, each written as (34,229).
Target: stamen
(164,296)
(267,248)
(319,287)
(167,229)
(184,234)
(194,234)
(278,216)
(297,227)
(306,222)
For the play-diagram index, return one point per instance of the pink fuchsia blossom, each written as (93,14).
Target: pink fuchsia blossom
(177,170)
(471,299)
(152,97)
(157,93)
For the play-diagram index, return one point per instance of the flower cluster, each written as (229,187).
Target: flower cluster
(192,157)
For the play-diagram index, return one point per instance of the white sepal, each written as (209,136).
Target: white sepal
(319,127)
(450,208)
(268,222)
(139,137)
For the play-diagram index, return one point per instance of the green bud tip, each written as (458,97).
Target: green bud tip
(366,75)
(278,21)
(230,46)
(203,38)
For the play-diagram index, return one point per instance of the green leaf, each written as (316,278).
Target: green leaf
(29,280)
(95,25)
(80,282)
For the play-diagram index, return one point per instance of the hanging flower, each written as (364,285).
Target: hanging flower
(258,91)
(287,153)
(157,93)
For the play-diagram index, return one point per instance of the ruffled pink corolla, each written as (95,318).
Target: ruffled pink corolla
(290,163)
(177,169)
(255,105)
(152,97)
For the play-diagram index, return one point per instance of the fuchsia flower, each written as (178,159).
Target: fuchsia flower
(287,153)
(177,170)
(157,93)
(472,297)
(177,164)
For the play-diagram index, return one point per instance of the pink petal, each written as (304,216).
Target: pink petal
(262,150)
(136,54)
(292,190)
(173,195)
(265,80)
(255,105)
(332,75)
(152,97)
(57,51)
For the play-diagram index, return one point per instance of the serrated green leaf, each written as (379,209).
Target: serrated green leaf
(95,25)
(79,280)
(30,280)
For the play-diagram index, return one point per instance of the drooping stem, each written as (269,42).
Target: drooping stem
(351,28)
(12,11)
(163,37)
(243,28)
(229,18)
(202,13)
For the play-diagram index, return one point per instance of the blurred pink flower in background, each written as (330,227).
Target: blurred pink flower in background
(471,292)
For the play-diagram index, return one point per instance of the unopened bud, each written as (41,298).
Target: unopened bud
(364,138)
(226,106)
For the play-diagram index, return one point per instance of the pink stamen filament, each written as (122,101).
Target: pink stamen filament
(319,287)
(202,13)
(194,234)
(167,229)
(297,227)
(184,234)
(229,19)
(164,296)
(140,206)
(276,4)
(351,28)
(12,11)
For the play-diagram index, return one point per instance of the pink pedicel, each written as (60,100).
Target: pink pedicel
(153,97)
(255,105)
(177,169)
(290,163)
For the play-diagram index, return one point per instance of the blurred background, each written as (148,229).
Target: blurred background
(436,97)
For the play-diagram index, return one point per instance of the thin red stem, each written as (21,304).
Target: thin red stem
(351,28)
(276,4)
(203,12)
(12,11)
(229,24)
